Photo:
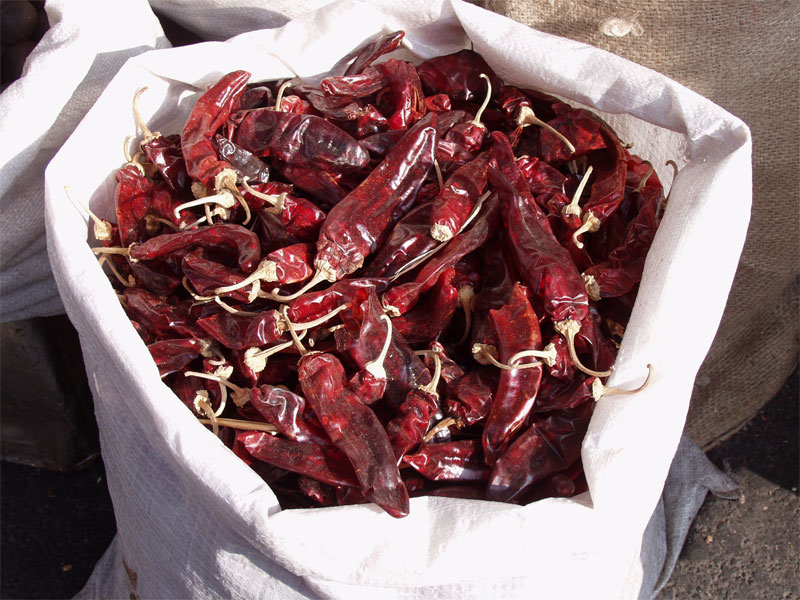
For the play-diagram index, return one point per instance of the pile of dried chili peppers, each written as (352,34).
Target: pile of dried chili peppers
(407,280)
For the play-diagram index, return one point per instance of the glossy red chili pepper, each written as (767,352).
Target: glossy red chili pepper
(517,329)
(188,388)
(428,319)
(470,396)
(295,104)
(228,238)
(403,297)
(285,410)
(544,448)
(239,332)
(313,305)
(367,386)
(206,275)
(407,429)
(450,370)
(160,318)
(356,224)
(564,484)
(209,114)
(299,140)
(405,93)
(132,199)
(156,278)
(324,186)
(174,354)
(365,83)
(563,394)
(372,50)
(541,177)
(579,127)
(355,430)
(457,75)
(561,367)
(323,463)
(409,238)
(246,164)
(438,103)
(453,205)
(163,203)
(299,217)
(450,461)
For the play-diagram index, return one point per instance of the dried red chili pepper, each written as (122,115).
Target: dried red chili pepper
(408,429)
(452,207)
(321,493)
(239,332)
(405,93)
(450,461)
(132,199)
(300,218)
(323,463)
(325,186)
(544,448)
(438,103)
(428,319)
(372,50)
(285,410)
(206,276)
(579,127)
(174,354)
(470,396)
(161,319)
(313,305)
(355,430)
(564,484)
(163,152)
(246,164)
(409,238)
(499,276)
(457,75)
(363,84)
(518,331)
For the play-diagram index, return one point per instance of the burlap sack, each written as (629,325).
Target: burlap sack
(743,56)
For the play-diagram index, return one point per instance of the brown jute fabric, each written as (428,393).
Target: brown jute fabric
(743,55)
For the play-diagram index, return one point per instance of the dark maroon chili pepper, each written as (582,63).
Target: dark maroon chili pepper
(324,186)
(510,100)
(470,396)
(242,243)
(187,389)
(239,332)
(438,103)
(163,203)
(541,177)
(299,140)
(401,298)
(557,394)
(407,429)
(517,329)
(356,224)
(428,319)
(206,276)
(299,217)
(499,276)
(246,164)
(452,207)
(450,461)
(365,83)
(313,305)
(457,75)
(155,278)
(579,127)
(209,114)
(256,96)
(173,355)
(321,493)
(355,430)
(405,93)
(271,233)
(132,199)
(591,339)
(161,319)
(285,409)
(338,108)
(409,239)
(564,484)
(544,448)
(323,463)
(451,371)
(372,50)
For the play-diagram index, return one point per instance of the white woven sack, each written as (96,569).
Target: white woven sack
(194,521)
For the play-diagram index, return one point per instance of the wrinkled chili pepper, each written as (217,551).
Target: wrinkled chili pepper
(372,50)
(455,202)
(579,127)
(470,396)
(365,83)
(545,447)
(299,217)
(325,186)
(499,275)
(206,275)
(285,409)
(355,430)
(518,330)
(409,239)
(428,319)
(246,164)
(405,92)
(457,75)
(407,429)
(132,199)
(173,355)
(450,461)
(313,305)
(239,332)
(160,318)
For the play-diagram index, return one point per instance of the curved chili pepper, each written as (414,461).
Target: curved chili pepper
(438,103)
(455,202)
(405,91)
(156,278)
(325,186)
(579,127)
(457,75)
(363,84)
(544,448)
(541,177)
(409,239)
(161,319)
(323,463)
(239,332)
(313,305)
(517,329)
(428,319)
(163,203)
(285,409)
(355,430)
(450,461)
(209,114)
(299,140)
(132,199)
(173,355)
(470,396)
(372,50)
(557,394)
(165,153)
(206,275)
(241,242)
(356,224)
(246,164)
(407,429)
(564,484)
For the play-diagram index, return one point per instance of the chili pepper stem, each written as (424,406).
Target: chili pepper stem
(131,282)
(375,366)
(548,355)
(572,208)
(592,287)
(590,225)
(226,181)
(437,374)
(266,271)
(569,328)
(279,97)
(526,116)
(599,390)
(255,358)
(439,177)
(479,114)
(466,296)
(137,117)
(113,250)
(290,326)
(243,425)
(319,277)
(644,179)
(240,395)
(102,228)
(202,405)
(441,426)
(225,199)
(481,352)
(277,202)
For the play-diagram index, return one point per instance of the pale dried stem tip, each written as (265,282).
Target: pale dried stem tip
(224,199)
(599,390)
(240,394)
(441,233)
(146,133)
(277,201)
(233,311)
(243,425)
(319,277)
(644,179)
(439,177)
(466,296)
(202,405)
(102,229)
(526,116)
(255,359)
(437,374)
(569,328)
(592,287)
(590,225)
(375,366)
(131,282)
(292,332)
(674,166)
(131,161)
(281,90)
(481,352)
(209,215)
(572,208)
(226,180)
(266,271)
(189,226)
(112,250)
(151,228)
(479,114)
(441,426)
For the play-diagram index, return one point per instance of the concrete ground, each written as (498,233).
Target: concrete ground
(55,526)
